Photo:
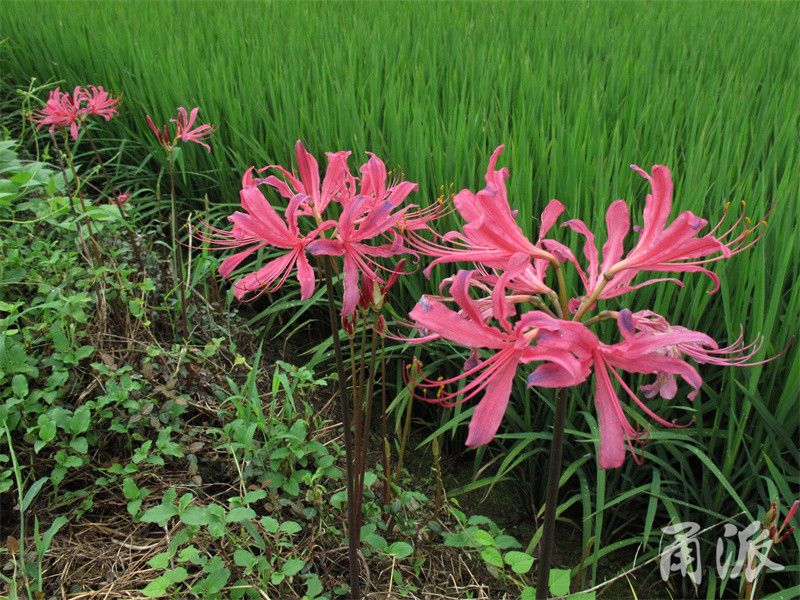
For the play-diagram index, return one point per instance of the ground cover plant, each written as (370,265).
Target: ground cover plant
(573,114)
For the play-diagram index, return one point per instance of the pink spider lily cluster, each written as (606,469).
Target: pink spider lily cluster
(338,215)
(511,271)
(183,130)
(70,110)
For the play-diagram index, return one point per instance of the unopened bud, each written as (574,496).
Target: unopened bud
(349,325)
(785,535)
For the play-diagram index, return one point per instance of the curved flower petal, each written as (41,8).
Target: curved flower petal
(490,410)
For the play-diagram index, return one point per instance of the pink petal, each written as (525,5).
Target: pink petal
(351,287)
(549,216)
(309,171)
(611,449)
(490,410)
(618,224)
(305,275)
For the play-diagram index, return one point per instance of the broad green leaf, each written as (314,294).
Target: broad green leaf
(400,549)
(130,489)
(177,574)
(270,524)
(157,587)
(47,428)
(216,580)
(559,582)
(504,542)
(291,527)
(160,513)
(80,445)
(292,566)
(160,560)
(194,515)
(313,587)
(19,385)
(242,513)
(244,558)
(81,420)
(520,562)
(484,538)
(492,556)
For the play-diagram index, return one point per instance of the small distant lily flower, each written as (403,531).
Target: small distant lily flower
(70,110)
(183,130)
(120,199)
(99,102)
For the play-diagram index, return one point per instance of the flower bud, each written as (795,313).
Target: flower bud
(349,325)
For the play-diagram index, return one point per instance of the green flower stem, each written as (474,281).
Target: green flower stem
(587,302)
(177,255)
(81,239)
(90,229)
(553,476)
(407,424)
(562,289)
(352,518)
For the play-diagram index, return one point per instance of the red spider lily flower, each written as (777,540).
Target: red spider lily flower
(671,248)
(70,110)
(651,345)
(639,352)
(183,130)
(121,199)
(490,236)
(374,186)
(60,111)
(535,337)
(737,353)
(99,102)
(364,217)
(352,230)
(307,182)
(261,226)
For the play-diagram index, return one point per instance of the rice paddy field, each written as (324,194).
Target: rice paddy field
(577,92)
